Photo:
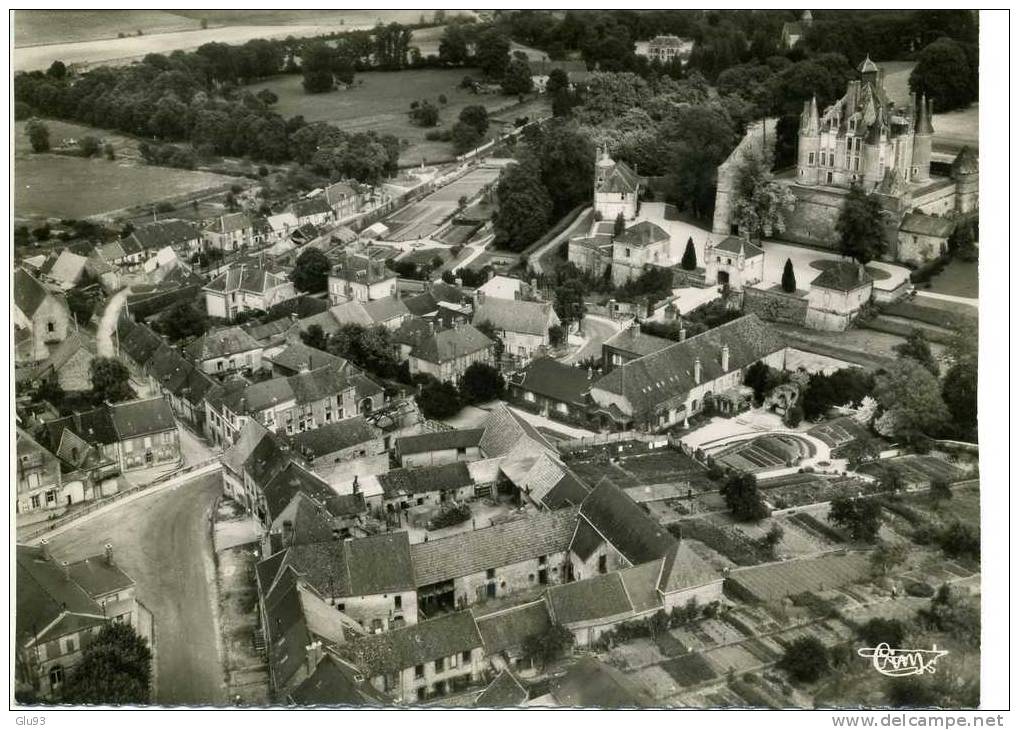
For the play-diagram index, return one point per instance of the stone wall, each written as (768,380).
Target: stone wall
(775,306)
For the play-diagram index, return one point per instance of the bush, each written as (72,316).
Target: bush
(806,660)
(918,589)
(164,207)
(438,135)
(450,515)
(883,631)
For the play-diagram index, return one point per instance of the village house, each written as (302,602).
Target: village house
(281,226)
(629,344)
(667,387)
(522,326)
(641,245)
(41,314)
(616,189)
(837,295)
(492,562)
(296,357)
(245,288)
(576,72)
(344,198)
(64,270)
(61,607)
(668,48)
(67,365)
(426,485)
(315,211)
(225,351)
(551,387)
(362,279)
(433,658)
(505,631)
(351,438)
(388,312)
(504,691)
(794,32)
(446,354)
(232,232)
(733,262)
(180,235)
(39,477)
(923,238)
(439,447)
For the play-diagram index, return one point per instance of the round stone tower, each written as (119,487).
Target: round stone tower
(809,144)
(923,134)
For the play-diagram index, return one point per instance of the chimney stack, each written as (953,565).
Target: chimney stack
(725,358)
(355,486)
(109,553)
(859,272)
(697,371)
(44,548)
(67,569)
(682,333)
(313,655)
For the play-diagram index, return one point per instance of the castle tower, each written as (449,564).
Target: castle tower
(870,73)
(809,144)
(603,166)
(923,133)
(872,144)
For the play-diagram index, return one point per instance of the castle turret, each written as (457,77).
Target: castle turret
(809,144)
(872,172)
(923,133)
(870,72)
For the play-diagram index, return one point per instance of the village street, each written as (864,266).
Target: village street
(163,542)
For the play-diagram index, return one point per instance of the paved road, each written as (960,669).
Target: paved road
(108,322)
(163,542)
(597,330)
(577,228)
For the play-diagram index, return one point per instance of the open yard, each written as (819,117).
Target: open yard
(380,100)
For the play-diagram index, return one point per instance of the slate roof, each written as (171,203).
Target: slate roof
(287,635)
(504,691)
(265,461)
(421,304)
(221,343)
(231,222)
(566,492)
(94,427)
(244,278)
(669,373)
(351,312)
(385,309)
(683,568)
(332,437)
(141,418)
(966,161)
(335,683)
(632,340)
(642,234)
(303,388)
(169,232)
(409,646)
(137,341)
(99,577)
(641,584)
(514,315)
(505,430)
(736,246)
(625,525)
(438,441)
(355,267)
(467,553)
(553,379)
(287,483)
(29,294)
(450,344)
(600,597)
(297,356)
(43,593)
(398,482)
(511,627)
(927,225)
(843,276)
(361,567)
(250,435)
(621,179)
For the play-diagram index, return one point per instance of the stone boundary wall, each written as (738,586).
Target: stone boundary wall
(775,306)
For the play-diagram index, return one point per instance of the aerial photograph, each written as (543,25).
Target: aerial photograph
(487,358)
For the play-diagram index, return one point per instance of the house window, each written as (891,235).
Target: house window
(810,158)
(341,606)
(69,645)
(419,671)
(51,327)
(440,665)
(51,497)
(542,560)
(490,573)
(398,601)
(829,178)
(422,694)
(466,656)
(626,252)
(35,501)
(56,675)
(603,563)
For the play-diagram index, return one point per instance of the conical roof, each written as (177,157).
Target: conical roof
(923,118)
(867,66)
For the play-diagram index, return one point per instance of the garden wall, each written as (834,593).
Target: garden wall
(775,306)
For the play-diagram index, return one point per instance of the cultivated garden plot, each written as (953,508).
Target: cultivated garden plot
(839,432)
(916,470)
(794,490)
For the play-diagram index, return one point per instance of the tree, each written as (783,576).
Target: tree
(744,499)
(488,330)
(843,387)
(424,114)
(912,396)
(793,416)
(943,72)
(82,305)
(438,400)
(556,335)
(619,225)
(476,116)
(183,321)
(481,383)
(806,659)
(465,137)
(883,631)
(453,45)
(960,541)
(267,97)
(57,70)
(761,378)
(110,380)
(941,490)
(860,226)
(517,79)
(311,271)
(89,145)
(861,518)
(696,139)
(771,539)
(886,557)
(689,260)
(38,135)
(558,82)
(51,391)
(788,277)
(566,159)
(959,392)
(315,337)
(761,204)
(569,300)
(317,81)
(525,207)
(115,669)
(917,348)
(549,645)
(492,55)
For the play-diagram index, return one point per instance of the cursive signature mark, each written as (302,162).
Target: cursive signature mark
(902,662)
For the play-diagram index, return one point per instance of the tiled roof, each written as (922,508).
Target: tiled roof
(297,356)
(137,341)
(311,206)
(265,461)
(513,315)
(287,635)
(592,683)
(632,340)
(338,191)
(425,479)
(642,234)
(287,483)
(362,567)
(43,593)
(335,683)
(98,576)
(68,267)
(504,430)
(621,179)
(568,491)
(170,232)
(409,646)
(352,312)
(420,304)
(29,294)
(439,441)
(245,278)
(736,246)
(451,344)
(504,691)
(641,584)
(231,222)
(142,417)
(221,343)
(585,540)
(553,379)
(927,225)
(511,627)
(624,524)
(333,437)
(596,598)
(467,553)
(669,373)
(354,267)
(843,276)
(385,309)
(250,435)
(685,569)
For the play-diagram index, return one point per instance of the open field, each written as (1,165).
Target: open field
(952,130)
(60,131)
(38,27)
(959,279)
(380,100)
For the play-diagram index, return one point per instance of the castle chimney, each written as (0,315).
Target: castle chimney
(44,548)
(697,371)
(313,655)
(725,358)
(109,553)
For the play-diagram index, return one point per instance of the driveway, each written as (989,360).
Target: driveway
(108,323)
(596,329)
(163,542)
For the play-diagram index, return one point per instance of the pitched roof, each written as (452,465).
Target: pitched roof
(142,417)
(736,246)
(569,490)
(169,232)
(421,304)
(362,567)
(245,278)
(43,593)
(600,597)
(98,576)
(59,356)
(333,437)
(250,435)
(29,294)
(514,315)
(927,225)
(335,683)
(385,309)
(684,568)
(504,691)
(68,267)
(439,441)
(311,206)
(843,276)
(592,683)
(297,356)
(425,479)
(467,553)
(643,234)
(632,340)
(505,430)
(624,524)
(221,342)
(669,373)
(451,344)
(409,646)
(966,161)
(287,483)
(511,627)
(338,191)
(137,341)
(620,179)
(230,222)
(553,379)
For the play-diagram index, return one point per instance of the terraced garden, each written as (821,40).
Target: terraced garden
(765,452)
(839,432)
